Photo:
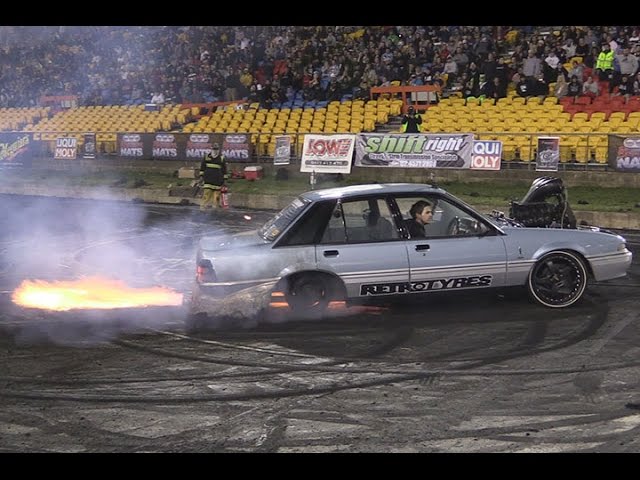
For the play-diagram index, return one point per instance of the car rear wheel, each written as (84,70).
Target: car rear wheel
(309,294)
(558,280)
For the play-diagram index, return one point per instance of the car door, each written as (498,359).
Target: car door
(363,246)
(459,250)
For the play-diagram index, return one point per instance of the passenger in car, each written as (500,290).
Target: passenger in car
(421,214)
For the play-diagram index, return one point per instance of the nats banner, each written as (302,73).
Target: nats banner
(487,155)
(624,153)
(327,153)
(414,150)
(15,150)
(66,148)
(236,147)
(548,154)
(283,150)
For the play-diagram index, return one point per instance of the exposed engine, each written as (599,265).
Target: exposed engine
(545,205)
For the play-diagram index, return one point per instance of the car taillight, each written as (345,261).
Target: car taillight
(204,271)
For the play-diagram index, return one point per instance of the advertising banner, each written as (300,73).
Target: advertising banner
(66,148)
(414,150)
(236,147)
(198,145)
(134,145)
(548,154)
(624,153)
(487,155)
(283,150)
(89,148)
(15,150)
(327,153)
(164,146)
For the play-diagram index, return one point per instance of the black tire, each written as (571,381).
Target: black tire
(308,295)
(557,280)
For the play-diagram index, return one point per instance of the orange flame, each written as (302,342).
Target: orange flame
(90,293)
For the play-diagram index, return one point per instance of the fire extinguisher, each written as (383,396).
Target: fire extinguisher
(224,197)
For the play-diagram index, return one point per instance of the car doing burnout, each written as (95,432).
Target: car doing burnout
(352,242)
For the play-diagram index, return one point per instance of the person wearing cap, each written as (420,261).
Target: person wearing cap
(411,121)
(213,172)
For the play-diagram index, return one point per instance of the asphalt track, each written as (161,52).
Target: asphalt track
(477,372)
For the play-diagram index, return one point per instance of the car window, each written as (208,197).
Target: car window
(360,221)
(308,226)
(281,220)
(447,220)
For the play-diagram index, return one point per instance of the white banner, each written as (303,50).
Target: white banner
(327,153)
(487,155)
(414,150)
(66,148)
(283,150)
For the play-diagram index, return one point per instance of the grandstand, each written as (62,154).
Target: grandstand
(286,87)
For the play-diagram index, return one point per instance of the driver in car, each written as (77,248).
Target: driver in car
(421,214)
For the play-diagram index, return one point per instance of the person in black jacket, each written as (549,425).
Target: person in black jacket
(213,172)
(421,214)
(411,121)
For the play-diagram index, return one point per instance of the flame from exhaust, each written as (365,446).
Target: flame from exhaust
(90,293)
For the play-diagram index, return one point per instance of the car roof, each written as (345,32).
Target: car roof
(373,188)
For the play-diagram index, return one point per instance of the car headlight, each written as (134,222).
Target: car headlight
(622,247)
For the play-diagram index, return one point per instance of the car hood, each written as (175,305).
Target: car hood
(596,240)
(235,240)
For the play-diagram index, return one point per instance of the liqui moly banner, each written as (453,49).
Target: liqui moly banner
(327,153)
(548,154)
(414,150)
(66,148)
(487,155)
(283,150)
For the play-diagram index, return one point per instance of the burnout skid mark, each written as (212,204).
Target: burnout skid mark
(425,286)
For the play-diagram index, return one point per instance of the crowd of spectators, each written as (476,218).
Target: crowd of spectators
(274,64)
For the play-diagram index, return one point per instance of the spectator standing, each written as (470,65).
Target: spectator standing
(628,66)
(531,66)
(411,122)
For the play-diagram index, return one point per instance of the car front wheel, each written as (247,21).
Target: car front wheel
(558,280)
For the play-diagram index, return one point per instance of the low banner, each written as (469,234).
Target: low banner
(89,148)
(236,147)
(327,153)
(66,148)
(624,153)
(487,155)
(283,150)
(165,146)
(15,150)
(199,145)
(414,150)
(548,154)
(134,145)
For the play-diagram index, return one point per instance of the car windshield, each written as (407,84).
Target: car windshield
(281,220)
